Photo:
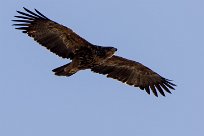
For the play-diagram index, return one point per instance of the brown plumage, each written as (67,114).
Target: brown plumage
(84,55)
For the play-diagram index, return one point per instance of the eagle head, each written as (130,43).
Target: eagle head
(105,52)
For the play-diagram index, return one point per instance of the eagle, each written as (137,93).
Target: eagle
(65,43)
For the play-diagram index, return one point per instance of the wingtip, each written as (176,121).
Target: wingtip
(18,11)
(169,81)
(25,8)
(163,94)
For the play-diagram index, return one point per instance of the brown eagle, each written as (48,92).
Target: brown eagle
(67,44)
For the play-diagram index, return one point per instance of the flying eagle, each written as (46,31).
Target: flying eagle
(67,44)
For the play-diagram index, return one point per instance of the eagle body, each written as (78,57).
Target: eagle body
(67,44)
(86,58)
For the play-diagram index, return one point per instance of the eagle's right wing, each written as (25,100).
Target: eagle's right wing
(135,74)
(55,37)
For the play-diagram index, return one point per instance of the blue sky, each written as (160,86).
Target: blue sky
(167,36)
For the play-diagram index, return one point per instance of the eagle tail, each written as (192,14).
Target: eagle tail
(64,70)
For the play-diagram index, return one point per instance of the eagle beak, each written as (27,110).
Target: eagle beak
(114,49)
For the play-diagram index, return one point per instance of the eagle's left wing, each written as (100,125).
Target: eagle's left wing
(57,38)
(134,73)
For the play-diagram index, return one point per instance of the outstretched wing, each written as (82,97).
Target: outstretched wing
(134,73)
(55,37)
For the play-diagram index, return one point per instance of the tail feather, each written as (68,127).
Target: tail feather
(64,70)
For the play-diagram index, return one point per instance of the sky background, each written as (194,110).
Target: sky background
(165,35)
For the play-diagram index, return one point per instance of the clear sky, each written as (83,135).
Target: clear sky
(165,35)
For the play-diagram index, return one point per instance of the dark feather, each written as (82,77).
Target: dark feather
(27,15)
(26,21)
(154,90)
(21,24)
(160,89)
(24,17)
(165,88)
(41,14)
(171,87)
(36,15)
(147,89)
(22,28)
